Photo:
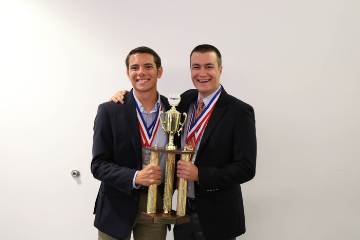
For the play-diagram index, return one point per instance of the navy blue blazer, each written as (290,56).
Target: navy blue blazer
(225,159)
(117,155)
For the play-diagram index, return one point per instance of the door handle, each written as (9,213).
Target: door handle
(75,173)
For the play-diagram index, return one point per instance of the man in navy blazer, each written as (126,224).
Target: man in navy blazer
(226,153)
(120,160)
(225,145)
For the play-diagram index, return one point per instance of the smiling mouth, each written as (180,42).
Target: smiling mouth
(203,80)
(142,80)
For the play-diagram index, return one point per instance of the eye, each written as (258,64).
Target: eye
(149,67)
(133,68)
(209,67)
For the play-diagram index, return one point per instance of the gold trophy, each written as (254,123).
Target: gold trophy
(172,125)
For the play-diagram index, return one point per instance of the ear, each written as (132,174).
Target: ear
(160,71)
(220,70)
(127,74)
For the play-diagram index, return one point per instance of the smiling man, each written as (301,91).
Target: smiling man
(120,160)
(221,128)
(222,131)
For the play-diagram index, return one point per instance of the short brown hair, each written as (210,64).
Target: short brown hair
(144,49)
(203,48)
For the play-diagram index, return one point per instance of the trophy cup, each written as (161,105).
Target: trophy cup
(172,125)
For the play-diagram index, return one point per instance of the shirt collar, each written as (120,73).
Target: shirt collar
(208,98)
(155,108)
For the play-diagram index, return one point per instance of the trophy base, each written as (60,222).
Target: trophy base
(166,218)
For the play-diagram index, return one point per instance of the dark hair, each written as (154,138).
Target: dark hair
(203,48)
(144,49)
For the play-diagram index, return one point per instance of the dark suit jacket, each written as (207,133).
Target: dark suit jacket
(226,158)
(117,154)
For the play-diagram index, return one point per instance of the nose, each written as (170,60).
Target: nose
(141,71)
(202,72)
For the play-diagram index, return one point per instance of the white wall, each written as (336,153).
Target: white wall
(295,62)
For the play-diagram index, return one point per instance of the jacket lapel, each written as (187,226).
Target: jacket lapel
(218,112)
(133,125)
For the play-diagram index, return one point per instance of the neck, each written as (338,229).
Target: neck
(205,94)
(147,99)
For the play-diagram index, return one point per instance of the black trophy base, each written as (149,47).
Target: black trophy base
(166,218)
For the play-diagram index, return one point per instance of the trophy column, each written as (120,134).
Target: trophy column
(152,192)
(169,182)
(182,190)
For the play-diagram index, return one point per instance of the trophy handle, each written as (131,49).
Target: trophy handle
(162,123)
(182,124)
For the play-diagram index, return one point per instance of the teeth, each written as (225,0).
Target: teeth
(202,81)
(142,80)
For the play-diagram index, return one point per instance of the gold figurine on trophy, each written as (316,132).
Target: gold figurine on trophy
(171,125)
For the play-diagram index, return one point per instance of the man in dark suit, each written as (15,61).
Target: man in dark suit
(221,128)
(224,136)
(120,161)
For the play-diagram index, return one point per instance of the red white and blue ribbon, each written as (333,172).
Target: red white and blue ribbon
(148,133)
(197,125)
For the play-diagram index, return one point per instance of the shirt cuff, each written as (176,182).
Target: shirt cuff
(136,186)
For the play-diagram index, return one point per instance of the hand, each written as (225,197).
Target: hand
(149,175)
(119,96)
(187,170)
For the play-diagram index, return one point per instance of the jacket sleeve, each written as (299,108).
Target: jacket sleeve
(240,167)
(103,166)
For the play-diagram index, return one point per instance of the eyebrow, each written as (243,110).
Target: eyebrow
(207,64)
(146,64)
